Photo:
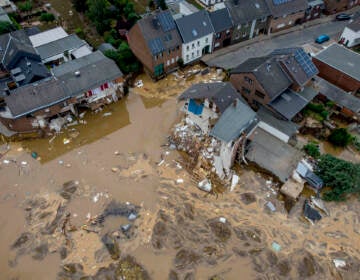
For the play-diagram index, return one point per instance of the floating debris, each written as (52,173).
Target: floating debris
(276,246)
(319,204)
(339,263)
(311,213)
(271,206)
(205,185)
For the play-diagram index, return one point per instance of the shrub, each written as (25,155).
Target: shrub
(312,149)
(340,137)
(47,17)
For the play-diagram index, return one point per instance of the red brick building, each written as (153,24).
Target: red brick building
(336,6)
(339,66)
(155,41)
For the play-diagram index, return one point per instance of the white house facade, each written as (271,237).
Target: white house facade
(193,50)
(351,35)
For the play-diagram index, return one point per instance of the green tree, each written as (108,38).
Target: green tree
(6,27)
(342,177)
(25,6)
(312,149)
(47,17)
(162,5)
(340,137)
(98,12)
(124,58)
(80,5)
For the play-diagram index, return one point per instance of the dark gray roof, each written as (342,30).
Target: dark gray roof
(243,11)
(338,95)
(15,45)
(222,94)
(194,26)
(95,69)
(32,70)
(297,63)
(272,154)
(289,103)
(32,97)
(220,20)
(278,8)
(159,31)
(105,47)
(60,46)
(30,31)
(355,25)
(268,72)
(235,120)
(287,127)
(342,59)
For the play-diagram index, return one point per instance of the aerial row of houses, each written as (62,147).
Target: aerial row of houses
(252,117)
(45,76)
(161,38)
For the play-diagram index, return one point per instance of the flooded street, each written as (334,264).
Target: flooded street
(117,165)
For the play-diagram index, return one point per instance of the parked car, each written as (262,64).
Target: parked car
(322,38)
(343,17)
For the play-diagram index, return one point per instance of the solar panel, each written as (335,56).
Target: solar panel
(166,21)
(279,2)
(306,64)
(156,46)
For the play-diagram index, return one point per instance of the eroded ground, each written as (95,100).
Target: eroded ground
(67,216)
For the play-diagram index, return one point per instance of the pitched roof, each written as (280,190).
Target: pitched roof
(297,63)
(220,20)
(289,103)
(32,97)
(278,8)
(15,45)
(342,59)
(105,47)
(159,31)
(194,26)
(48,36)
(338,95)
(60,46)
(268,72)
(272,154)
(243,11)
(222,94)
(287,127)
(95,69)
(235,120)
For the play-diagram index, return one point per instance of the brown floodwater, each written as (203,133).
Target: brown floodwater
(117,158)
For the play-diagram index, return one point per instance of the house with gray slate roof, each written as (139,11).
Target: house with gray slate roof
(205,102)
(156,42)
(250,18)
(286,13)
(350,36)
(196,31)
(223,28)
(19,62)
(278,81)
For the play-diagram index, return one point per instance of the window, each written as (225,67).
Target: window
(259,94)
(247,79)
(177,47)
(206,40)
(197,52)
(193,45)
(227,32)
(187,57)
(187,48)
(218,35)
(168,51)
(244,34)
(168,62)
(198,43)
(238,27)
(246,90)
(172,61)
(192,54)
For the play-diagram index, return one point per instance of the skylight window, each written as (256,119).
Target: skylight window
(194,32)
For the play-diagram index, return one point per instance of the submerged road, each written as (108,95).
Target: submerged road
(232,56)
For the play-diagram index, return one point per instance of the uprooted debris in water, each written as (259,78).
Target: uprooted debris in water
(310,213)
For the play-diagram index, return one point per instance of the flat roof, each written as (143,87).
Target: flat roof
(342,59)
(48,36)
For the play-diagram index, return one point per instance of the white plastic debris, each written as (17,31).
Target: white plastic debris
(5,161)
(179,181)
(339,263)
(66,141)
(161,162)
(96,197)
(107,114)
(61,162)
(205,185)
(24,163)
(222,220)
(271,206)
(139,84)
(234,181)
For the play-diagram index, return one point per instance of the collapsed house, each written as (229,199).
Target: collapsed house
(89,81)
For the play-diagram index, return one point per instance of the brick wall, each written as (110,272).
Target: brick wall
(281,23)
(336,77)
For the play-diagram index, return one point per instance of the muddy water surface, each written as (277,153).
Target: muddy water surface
(179,233)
